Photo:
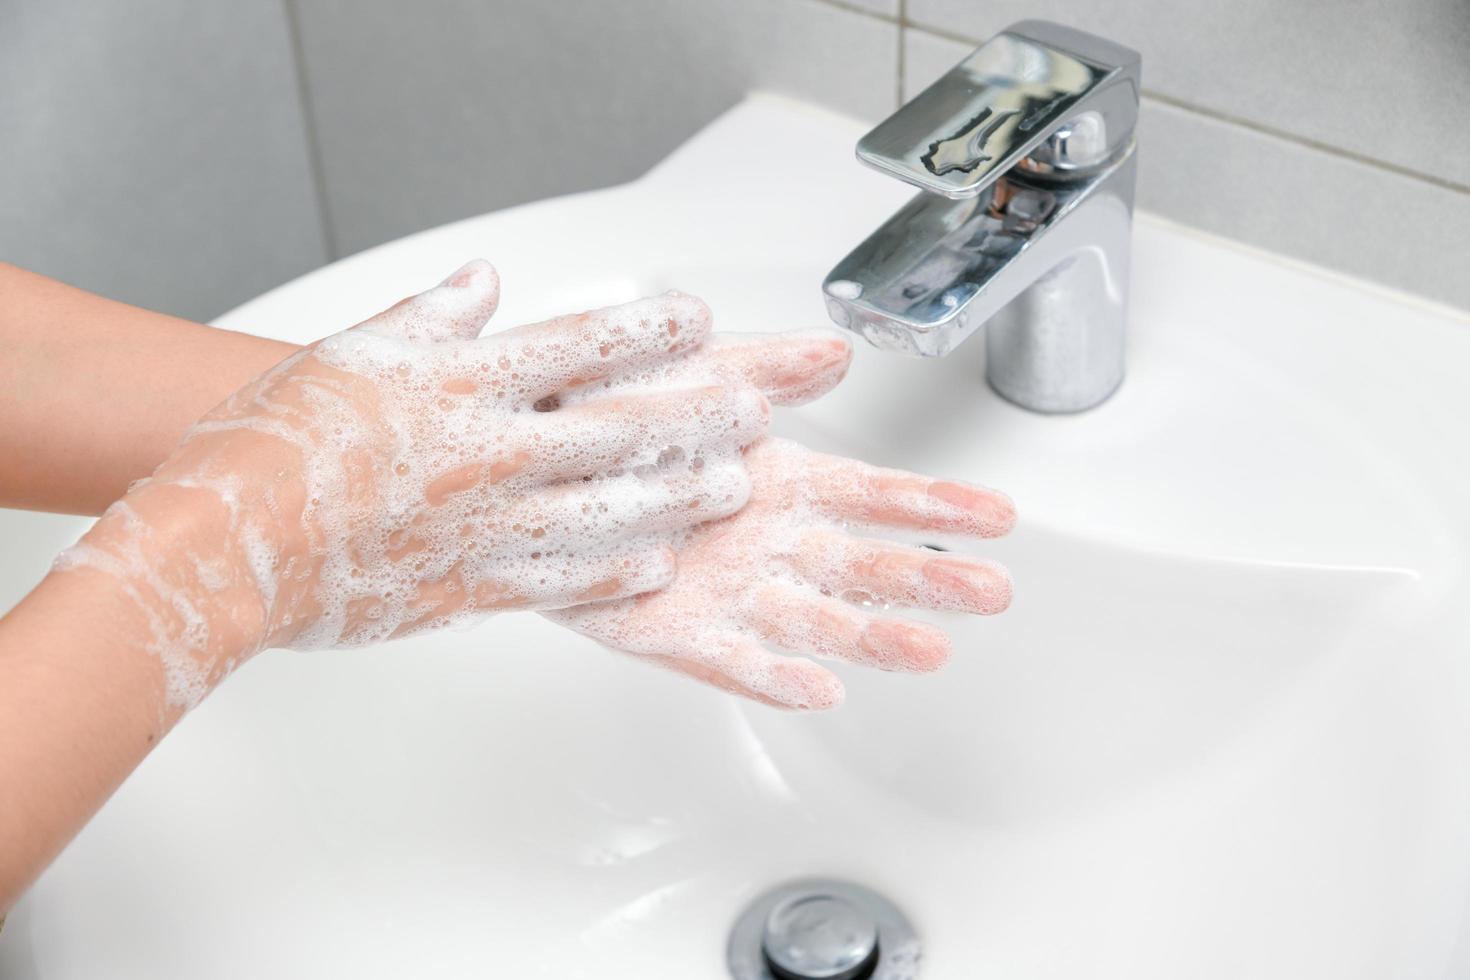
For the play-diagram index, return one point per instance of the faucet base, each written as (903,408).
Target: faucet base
(1058,347)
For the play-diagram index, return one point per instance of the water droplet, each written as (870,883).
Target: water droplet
(865,600)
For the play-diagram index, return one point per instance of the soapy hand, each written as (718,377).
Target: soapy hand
(407,474)
(404,474)
(785,572)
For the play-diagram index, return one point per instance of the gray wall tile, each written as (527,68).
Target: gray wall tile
(154,151)
(1278,194)
(1345,215)
(1378,79)
(448,108)
(927,56)
(883,8)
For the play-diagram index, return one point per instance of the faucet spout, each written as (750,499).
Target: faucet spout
(1026,155)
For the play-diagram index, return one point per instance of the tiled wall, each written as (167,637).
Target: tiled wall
(447,108)
(188,155)
(155,150)
(1332,130)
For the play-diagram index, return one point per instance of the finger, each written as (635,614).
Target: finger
(872,496)
(624,573)
(476,475)
(546,581)
(857,570)
(743,667)
(620,432)
(597,436)
(790,368)
(632,504)
(826,627)
(572,350)
(728,661)
(459,307)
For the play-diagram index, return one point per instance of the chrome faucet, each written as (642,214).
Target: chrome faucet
(1025,154)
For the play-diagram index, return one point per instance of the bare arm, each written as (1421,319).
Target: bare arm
(95,393)
(321,504)
(81,703)
(404,475)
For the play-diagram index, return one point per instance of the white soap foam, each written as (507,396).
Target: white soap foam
(572,489)
(436,482)
(781,573)
(179,642)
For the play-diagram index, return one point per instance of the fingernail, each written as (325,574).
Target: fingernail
(829,353)
(800,685)
(465,274)
(689,319)
(996,512)
(894,645)
(984,589)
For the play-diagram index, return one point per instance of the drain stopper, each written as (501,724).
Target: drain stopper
(822,929)
(819,936)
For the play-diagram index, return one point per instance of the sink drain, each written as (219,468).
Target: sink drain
(823,929)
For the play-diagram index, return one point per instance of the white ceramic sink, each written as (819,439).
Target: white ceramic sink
(1224,731)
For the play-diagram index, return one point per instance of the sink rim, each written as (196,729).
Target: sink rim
(668,878)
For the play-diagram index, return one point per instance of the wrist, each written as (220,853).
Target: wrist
(174,559)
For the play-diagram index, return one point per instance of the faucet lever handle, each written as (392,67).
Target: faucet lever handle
(1050,99)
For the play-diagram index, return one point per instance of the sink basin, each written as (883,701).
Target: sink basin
(1223,732)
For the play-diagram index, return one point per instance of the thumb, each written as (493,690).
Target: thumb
(457,308)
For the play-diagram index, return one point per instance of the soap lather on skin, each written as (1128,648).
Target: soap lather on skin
(396,477)
(608,468)
(782,572)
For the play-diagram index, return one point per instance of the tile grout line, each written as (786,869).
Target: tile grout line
(898,83)
(853,8)
(1308,142)
(1224,117)
(313,143)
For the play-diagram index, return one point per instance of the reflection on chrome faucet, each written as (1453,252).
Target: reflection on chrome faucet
(1025,154)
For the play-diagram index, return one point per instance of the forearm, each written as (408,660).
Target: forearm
(94,393)
(99,662)
(81,710)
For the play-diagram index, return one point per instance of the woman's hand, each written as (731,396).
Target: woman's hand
(785,572)
(394,477)
(404,474)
